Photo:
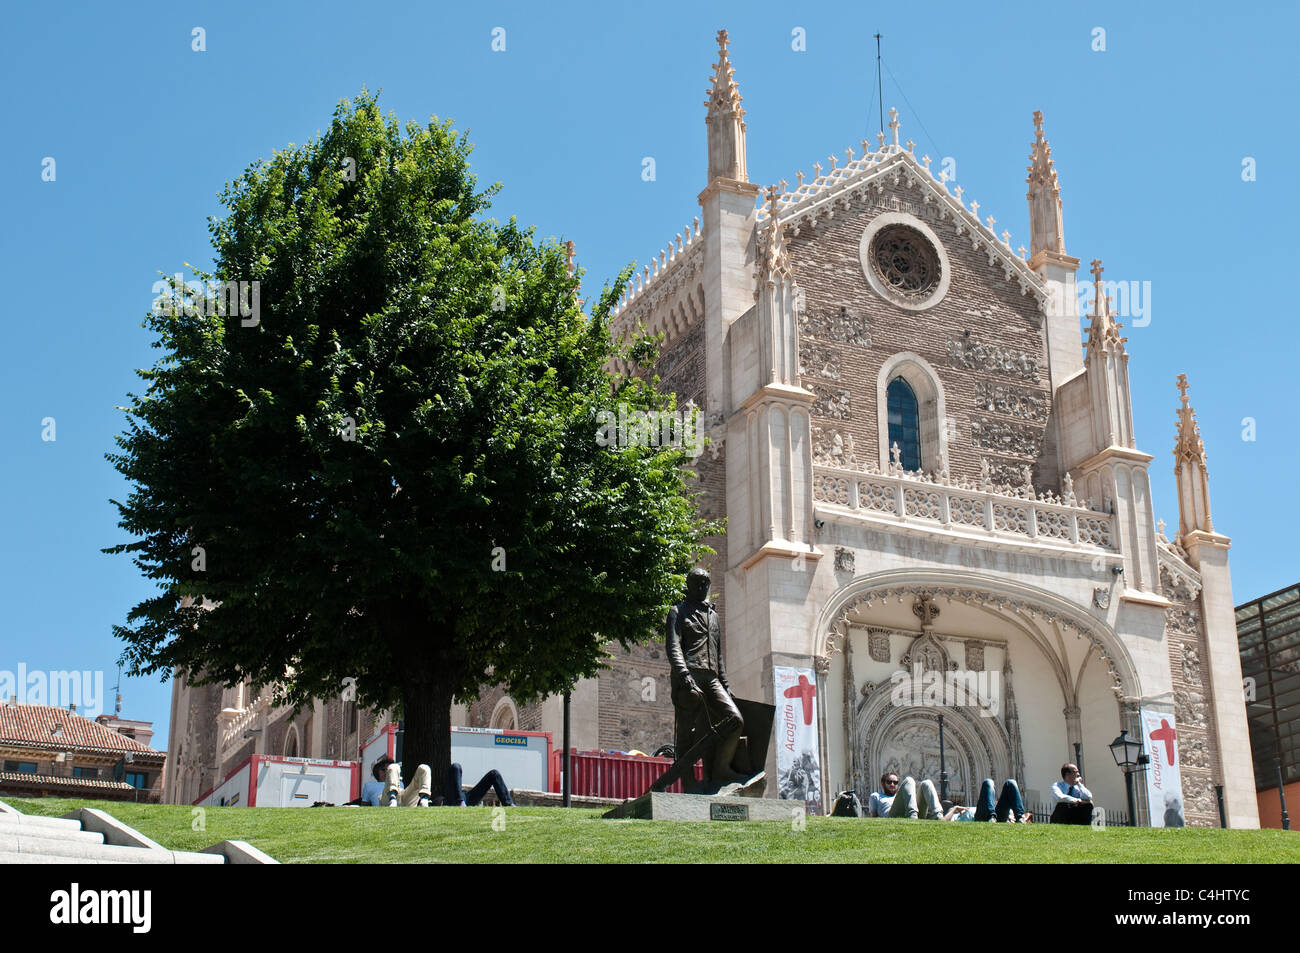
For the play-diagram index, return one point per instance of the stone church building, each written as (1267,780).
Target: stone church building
(926,459)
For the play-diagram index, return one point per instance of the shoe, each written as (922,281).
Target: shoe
(392,799)
(424,800)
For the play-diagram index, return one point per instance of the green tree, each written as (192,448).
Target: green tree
(390,471)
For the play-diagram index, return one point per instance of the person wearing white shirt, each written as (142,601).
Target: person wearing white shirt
(1071,801)
(1070,788)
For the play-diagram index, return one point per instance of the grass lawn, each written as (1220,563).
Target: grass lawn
(552,835)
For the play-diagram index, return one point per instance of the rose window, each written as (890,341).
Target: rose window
(905,261)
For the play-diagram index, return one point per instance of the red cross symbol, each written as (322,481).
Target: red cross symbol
(1166,734)
(804,690)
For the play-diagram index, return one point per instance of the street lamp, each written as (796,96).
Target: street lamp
(1128,755)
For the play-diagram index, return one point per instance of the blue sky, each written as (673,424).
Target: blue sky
(1149,138)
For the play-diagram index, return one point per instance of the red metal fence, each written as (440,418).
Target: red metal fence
(602,774)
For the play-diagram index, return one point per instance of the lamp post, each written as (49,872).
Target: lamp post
(943,768)
(1128,755)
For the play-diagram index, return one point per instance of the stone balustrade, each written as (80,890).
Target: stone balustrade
(1001,512)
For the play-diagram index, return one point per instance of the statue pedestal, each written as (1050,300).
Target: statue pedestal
(656,806)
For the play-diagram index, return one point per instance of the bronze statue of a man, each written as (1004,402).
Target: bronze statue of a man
(701,696)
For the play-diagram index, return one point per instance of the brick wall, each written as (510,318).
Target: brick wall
(984,340)
(636,710)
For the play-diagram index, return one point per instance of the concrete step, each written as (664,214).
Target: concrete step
(55,835)
(81,852)
(30,822)
(9,857)
(90,836)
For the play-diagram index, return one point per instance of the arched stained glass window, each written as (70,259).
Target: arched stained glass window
(904,423)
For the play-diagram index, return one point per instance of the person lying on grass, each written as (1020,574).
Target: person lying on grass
(387,790)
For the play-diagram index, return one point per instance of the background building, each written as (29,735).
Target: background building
(1268,631)
(54,752)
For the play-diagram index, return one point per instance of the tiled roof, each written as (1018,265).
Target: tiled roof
(35,724)
(51,781)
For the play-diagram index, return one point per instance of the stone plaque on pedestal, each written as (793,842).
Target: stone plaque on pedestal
(659,806)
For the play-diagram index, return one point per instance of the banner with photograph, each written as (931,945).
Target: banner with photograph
(798,771)
(1164,778)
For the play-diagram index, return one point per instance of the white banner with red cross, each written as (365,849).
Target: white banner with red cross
(798,770)
(1164,778)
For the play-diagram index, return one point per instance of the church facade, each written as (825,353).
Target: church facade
(926,459)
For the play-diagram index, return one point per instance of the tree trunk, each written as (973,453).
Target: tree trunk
(426,707)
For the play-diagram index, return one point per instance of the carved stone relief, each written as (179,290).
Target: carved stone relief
(830,448)
(1199,799)
(1011,401)
(843,559)
(1194,752)
(832,403)
(817,360)
(1016,439)
(974,656)
(878,644)
(1003,472)
(1191,664)
(975,355)
(1189,709)
(835,323)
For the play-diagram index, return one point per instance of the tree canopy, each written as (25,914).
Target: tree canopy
(388,468)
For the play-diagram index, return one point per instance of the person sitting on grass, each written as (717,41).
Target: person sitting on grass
(1009,807)
(1071,801)
(900,800)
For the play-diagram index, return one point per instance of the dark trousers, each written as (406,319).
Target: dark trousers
(695,715)
(1009,801)
(453,793)
(1076,812)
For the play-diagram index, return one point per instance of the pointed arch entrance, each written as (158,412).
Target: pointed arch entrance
(1074,679)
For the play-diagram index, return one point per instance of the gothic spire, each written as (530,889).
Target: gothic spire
(1103,331)
(775,261)
(1107,364)
(725,120)
(1190,469)
(1046,232)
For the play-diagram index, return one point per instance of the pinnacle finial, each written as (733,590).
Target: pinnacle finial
(893,125)
(725,120)
(1097,269)
(1191,471)
(1046,228)
(568,258)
